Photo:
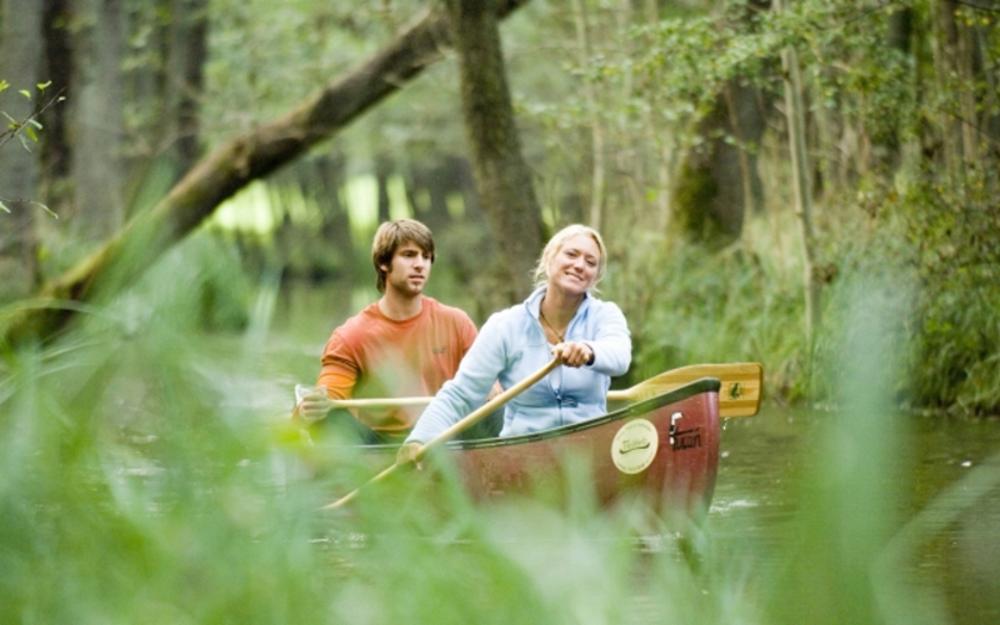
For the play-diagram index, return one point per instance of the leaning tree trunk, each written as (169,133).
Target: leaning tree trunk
(228,169)
(502,177)
(20,58)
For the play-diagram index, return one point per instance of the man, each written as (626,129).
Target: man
(404,344)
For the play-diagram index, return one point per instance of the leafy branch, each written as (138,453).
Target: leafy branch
(30,124)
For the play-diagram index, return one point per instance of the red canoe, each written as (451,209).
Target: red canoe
(664,449)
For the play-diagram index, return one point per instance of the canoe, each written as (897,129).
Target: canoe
(664,450)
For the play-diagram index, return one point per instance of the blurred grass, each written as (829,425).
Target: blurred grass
(142,482)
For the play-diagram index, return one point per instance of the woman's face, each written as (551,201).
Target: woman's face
(573,268)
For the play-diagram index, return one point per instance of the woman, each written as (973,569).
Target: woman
(559,319)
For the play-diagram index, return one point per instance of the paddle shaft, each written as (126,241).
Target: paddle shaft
(459,426)
(738,397)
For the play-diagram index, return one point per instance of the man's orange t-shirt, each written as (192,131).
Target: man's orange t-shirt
(371,355)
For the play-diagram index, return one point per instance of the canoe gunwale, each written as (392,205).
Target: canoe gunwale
(703,385)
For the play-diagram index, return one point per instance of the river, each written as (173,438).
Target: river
(936,520)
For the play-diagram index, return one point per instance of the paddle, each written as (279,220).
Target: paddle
(739,396)
(468,421)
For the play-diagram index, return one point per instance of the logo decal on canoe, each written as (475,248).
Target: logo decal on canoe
(683,439)
(634,446)
(735,390)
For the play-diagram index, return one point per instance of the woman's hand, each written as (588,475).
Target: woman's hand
(574,353)
(408,453)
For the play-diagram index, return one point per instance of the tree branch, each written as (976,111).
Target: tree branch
(231,167)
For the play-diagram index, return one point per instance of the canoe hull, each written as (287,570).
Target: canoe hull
(663,450)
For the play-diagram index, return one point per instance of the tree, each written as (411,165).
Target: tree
(20,60)
(503,179)
(718,182)
(230,167)
(99,205)
(56,152)
(188,35)
(801,183)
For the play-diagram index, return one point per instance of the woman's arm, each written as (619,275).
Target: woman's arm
(612,344)
(469,388)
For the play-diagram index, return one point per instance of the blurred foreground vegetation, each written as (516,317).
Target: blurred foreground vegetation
(144,483)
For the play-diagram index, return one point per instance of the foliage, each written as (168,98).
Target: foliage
(26,129)
(956,337)
(893,185)
(144,483)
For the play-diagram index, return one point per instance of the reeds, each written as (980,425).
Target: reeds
(146,478)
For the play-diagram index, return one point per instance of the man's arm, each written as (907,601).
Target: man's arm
(338,375)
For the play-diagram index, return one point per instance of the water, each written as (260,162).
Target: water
(945,496)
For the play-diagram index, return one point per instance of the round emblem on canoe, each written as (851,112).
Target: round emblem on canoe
(634,446)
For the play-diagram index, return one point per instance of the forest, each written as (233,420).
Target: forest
(748,162)
(188,193)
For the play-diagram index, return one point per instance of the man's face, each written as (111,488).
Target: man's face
(408,271)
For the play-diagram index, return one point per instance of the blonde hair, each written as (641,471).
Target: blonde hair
(556,243)
(389,236)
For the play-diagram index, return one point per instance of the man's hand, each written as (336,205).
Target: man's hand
(313,405)
(573,353)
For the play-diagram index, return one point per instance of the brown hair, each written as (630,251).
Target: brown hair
(392,234)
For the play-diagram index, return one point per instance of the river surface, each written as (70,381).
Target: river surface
(942,502)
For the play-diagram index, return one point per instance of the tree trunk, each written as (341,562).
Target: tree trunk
(502,177)
(747,124)
(188,49)
(951,77)
(383,169)
(598,168)
(57,152)
(336,228)
(232,166)
(428,185)
(20,60)
(795,112)
(99,111)
(718,182)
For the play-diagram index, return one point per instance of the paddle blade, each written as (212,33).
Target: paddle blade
(739,395)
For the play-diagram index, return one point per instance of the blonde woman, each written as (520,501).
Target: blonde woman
(560,318)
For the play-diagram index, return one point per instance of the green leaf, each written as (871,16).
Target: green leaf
(48,210)
(3,207)
(25,93)
(35,123)
(4,85)
(42,86)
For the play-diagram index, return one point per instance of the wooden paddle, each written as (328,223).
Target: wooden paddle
(468,421)
(739,396)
